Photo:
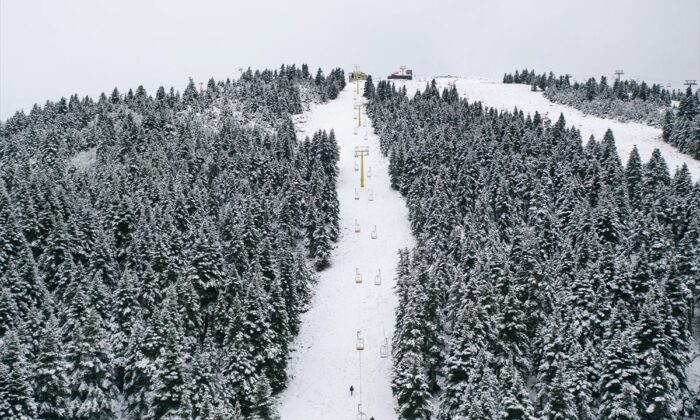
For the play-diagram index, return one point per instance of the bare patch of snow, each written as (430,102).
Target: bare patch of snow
(83,161)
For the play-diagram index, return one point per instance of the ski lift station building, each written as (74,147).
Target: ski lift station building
(402,74)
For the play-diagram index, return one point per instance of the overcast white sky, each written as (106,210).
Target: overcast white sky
(50,48)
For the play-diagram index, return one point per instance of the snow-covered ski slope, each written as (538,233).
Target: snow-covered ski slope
(508,96)
(325,361)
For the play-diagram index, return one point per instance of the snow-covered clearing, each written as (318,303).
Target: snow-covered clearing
(325,362)
(84,160)
(508,96)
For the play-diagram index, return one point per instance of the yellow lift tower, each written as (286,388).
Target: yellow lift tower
(358,77)
(362,151)
(359,107)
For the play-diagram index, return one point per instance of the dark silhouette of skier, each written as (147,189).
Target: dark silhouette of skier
(371,418)
(351,389)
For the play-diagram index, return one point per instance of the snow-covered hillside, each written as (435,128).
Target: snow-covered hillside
(627,135)
(508,96)
(325,361)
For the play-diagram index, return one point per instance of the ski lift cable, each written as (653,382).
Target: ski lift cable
(360,388)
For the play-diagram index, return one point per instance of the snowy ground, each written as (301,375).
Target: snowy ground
(325,361)
(508,96)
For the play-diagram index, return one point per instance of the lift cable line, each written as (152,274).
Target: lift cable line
(360,346)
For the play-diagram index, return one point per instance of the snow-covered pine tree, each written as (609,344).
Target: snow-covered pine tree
(90,370)
(410,385)
(16,396)
(620,395)
(170,395)
(49,378)
(514,400)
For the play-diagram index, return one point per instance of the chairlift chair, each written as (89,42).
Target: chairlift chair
(369,172)
(374,232)
(360,414)
(357,194)
(357,227)
(378,278)
(384,349)
(358,276)
(360,342)
(371,195)
(354,131)
(357,166)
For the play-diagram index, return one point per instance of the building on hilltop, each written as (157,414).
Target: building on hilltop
(402,74)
